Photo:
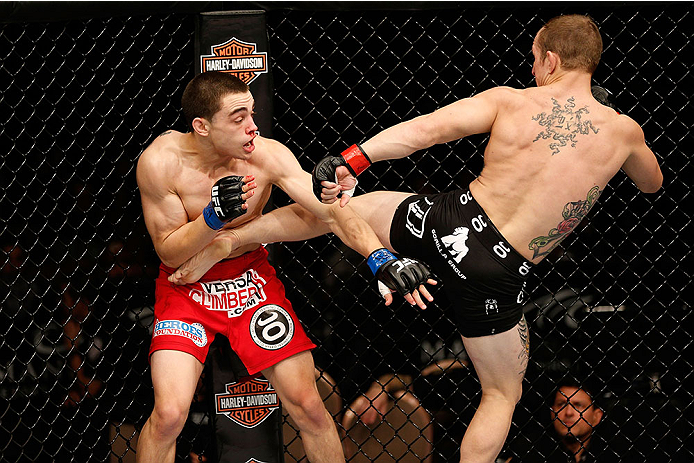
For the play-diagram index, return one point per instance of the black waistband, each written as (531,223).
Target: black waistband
(492,239)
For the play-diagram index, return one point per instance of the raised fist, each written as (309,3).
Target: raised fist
(227,201)
(354,159)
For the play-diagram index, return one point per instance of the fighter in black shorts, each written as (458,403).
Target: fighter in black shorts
(551,150)
(483,275)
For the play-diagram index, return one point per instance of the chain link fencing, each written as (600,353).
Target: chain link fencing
(83,97)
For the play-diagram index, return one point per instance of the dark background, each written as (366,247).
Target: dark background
(86,86)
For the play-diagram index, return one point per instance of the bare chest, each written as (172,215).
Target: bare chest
(194,188)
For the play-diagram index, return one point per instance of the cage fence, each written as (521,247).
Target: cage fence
(84,96)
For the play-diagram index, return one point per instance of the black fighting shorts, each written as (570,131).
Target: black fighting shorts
(482,274)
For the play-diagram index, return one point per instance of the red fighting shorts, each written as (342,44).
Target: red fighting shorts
(241,298)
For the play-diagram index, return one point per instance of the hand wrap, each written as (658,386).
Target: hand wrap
(401,275)
(226,203)
(354,158)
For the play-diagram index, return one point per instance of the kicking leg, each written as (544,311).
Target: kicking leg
(294,223)
(500,361)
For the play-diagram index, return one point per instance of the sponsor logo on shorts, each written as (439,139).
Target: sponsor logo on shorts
(416,216)
(233,296)
(443,253)
(465,198)
(193,331)
(236,57)
(455,243)
(524,269)
(272,327)
(501,249)
(490,305)
(248,403)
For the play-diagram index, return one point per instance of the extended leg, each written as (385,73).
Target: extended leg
(294,223)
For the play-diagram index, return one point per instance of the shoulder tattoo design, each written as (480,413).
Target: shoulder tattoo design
(563,124)
(572,213)
(165,133)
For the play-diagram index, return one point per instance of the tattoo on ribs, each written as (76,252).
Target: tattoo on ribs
(573,213)
(524,355)
(563,124)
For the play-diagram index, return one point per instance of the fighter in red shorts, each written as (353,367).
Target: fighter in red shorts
(195,185)
(241,298)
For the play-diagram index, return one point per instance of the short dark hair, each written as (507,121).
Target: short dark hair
(575,38)
(203,95)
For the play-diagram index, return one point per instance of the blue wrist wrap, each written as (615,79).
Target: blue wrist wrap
(211,218)
(378,258)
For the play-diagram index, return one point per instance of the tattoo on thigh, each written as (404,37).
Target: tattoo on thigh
(563,124)
(524,355)
(572,213)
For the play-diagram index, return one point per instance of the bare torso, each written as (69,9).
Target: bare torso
(549,155)
(191,179)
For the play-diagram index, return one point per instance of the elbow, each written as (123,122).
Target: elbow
(652,186)
(170,261)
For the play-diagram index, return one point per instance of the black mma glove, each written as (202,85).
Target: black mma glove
(354,158)
(226,202)
(603,96)
(401,275)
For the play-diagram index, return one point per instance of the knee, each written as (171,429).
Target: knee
(307,410)
(510,395)
(517,394)
(513,394)
(169,420)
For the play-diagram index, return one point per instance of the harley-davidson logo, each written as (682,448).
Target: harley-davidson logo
(248,403)
(236,57)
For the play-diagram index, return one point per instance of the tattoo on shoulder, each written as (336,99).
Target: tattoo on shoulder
(165,133)
(563,125)
(572,213)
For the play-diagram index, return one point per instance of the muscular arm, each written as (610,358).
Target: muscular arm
(175,238)
(289,223)
(457,120)
(405,276)
(465,117)
(642,166)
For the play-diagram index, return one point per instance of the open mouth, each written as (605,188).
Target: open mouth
(249,146)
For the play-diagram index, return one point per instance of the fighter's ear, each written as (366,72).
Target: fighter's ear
(554,61)
(200,126)
(598,414)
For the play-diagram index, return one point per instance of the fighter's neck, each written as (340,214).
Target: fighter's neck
(569,81)
(204,157)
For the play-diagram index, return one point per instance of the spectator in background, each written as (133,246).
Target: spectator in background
(573,432)
(82,351)
(575,415)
